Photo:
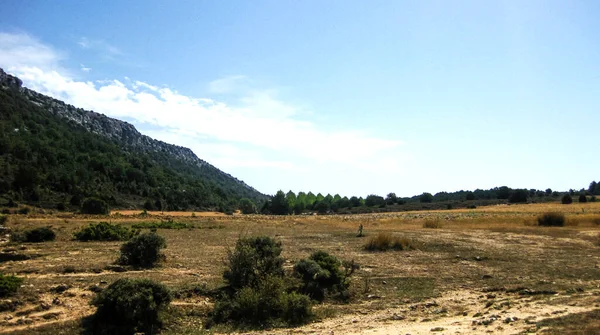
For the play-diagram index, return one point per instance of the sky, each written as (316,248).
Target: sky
(346,97)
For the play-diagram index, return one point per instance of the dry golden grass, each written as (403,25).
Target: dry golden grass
(488,248)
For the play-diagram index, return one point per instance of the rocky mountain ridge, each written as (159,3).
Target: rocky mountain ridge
(121,132)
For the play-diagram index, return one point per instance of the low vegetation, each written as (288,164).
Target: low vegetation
(35,235)
(105,231)
(551,219)
(166,224)
(323,274)
(130,306)
(432,223)
(9,285)
(94,206)
(386,241)
(143,250)
(258,292)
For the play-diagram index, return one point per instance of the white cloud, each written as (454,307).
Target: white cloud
(258,131)
(84,68)
(102,46)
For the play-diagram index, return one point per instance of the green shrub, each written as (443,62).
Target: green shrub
(143,250)
(583,198)
(128,306)
(258,294)
(385,241)
(266,305)
(551,219)
(247,206)
(94,206)
(566,199)
(105,231)
(252,260)
(35,235)
(322,274)
(167,224)
(9,285)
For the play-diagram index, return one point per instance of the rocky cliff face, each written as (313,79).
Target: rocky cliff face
(121,132)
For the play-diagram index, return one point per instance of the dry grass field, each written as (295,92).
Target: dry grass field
(484,270)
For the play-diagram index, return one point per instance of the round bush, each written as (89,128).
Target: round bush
(128,306)
(552,220)
(142,250)
(566,199)
(583,198)
(94,206)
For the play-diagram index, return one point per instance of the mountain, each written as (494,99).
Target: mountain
(54,154)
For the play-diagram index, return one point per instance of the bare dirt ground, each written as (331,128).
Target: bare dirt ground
(487,270)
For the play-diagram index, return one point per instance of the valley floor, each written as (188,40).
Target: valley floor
(485,270)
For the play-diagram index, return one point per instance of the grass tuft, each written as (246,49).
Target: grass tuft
(386,241)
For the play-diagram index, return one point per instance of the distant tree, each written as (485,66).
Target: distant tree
(391,198)
(94,206)
(503,192)
(518,196)
(548,191)
(355,202)
(291,200)
(247,206)
(374,200)
(594,188)
(426,198)
(566,199)
(279,204)
(470,196)
(322,207)
(582,198)
(344,202)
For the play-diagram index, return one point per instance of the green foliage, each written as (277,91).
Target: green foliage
(94,206)
(166,224)
(252,260)
(9,285)
(582,198)
(50,159)
(143,250)
(35,235)
(322,275)
(566,199)
(374,200)
(551,219)
(128,306)
(279,204)
(265,305)
(105,231)
(426,198)
(518,196)
(247,206)
(385,241)
(258,293)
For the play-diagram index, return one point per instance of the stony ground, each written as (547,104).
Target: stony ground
(488,270)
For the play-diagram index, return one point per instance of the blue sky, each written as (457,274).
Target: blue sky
(348,97)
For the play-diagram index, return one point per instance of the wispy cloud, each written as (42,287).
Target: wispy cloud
(100,46)
(227,84)
(259,130)
(84,68)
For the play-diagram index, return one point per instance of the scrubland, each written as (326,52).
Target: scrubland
(490,269)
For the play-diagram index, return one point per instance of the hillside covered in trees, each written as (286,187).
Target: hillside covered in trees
(54,155)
